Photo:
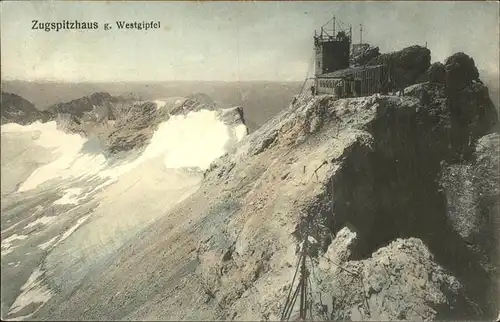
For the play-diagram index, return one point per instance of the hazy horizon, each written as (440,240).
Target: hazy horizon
(227,42)
(142,82)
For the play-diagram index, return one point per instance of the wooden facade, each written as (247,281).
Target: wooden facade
(355,81)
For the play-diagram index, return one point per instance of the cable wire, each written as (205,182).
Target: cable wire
(291,287)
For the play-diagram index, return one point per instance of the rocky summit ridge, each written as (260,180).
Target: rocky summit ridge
(396,196)
(120,124)
(17,109)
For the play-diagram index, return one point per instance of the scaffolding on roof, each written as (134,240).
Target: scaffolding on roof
(338,29)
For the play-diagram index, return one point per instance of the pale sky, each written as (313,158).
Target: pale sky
(228,41)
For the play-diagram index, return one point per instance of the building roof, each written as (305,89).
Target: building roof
(343,73)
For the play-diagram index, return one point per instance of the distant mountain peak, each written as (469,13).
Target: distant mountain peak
(16,109)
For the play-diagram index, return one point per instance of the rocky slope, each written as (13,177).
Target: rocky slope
(370,183)
(134,129)
(92,115)
(98,103)
(16,109)
(473,207)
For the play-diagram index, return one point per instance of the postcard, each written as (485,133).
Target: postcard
(250,160)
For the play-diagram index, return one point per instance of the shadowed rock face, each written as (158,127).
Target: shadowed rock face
(473,206)
(407,64)
(85,104)
(460,71)
(84,114)
(134,129)
(471,109)
(437,73)
(16,109)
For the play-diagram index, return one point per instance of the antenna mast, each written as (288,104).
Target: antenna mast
(333,26)
(360,34)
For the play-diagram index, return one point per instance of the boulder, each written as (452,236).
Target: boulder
(437,73)
(461,71)
(472,112)
(362,54)
(407,65)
